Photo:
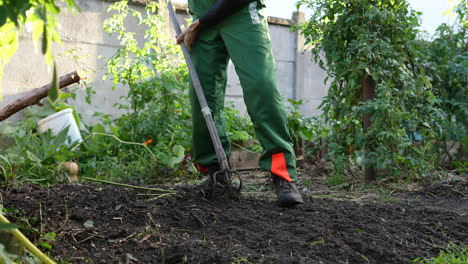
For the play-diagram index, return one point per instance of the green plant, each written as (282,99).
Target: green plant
(445,60)
(6,169)
(47,241)
(5,256)
(39,158)
(24,223)
(34,157)
(240,129)
(454,254)
(308,133)
(300,128)
(157,82)
(373,39)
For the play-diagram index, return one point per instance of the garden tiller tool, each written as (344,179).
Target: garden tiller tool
(225,169)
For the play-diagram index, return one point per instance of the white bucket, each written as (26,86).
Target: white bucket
(59,121)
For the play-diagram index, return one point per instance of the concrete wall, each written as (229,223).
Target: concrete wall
(298,77)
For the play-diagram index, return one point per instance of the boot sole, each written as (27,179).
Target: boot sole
(289,201)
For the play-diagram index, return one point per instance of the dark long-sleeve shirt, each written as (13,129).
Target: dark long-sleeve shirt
(220,10)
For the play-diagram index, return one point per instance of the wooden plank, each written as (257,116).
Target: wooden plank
(243,160)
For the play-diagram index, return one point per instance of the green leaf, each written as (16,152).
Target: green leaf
(52,8)
(45,245)
(426,124)
(8,227)
(16,159)
(50,237)
(426,81)
(88,224)
(39,111)
(38,29)
(32,157)
(72,5)
(4,256)
(9,42)
(54,89)
(115,130)
(64,96)
(98,128)
(8,130)
(163,158)
(178,150)
(3,15)
(4,160)
(45,42)
(61,137)
(318,242)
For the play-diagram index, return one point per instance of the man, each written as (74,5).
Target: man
(238,30)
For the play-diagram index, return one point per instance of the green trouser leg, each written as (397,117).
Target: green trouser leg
(245,39)
(210,58)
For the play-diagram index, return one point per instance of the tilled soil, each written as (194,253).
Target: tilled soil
(131,226)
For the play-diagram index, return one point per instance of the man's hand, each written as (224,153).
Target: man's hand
(189,35)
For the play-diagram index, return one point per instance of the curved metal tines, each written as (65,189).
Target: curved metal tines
(226,182)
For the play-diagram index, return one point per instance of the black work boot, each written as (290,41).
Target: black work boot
(287,192)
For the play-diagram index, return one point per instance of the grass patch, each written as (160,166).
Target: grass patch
(390,199)
(454,254)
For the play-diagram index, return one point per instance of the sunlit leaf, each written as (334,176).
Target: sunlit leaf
(32,157)
(45,41)
(8,227)
(54,89)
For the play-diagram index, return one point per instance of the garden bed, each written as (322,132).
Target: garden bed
(130,226)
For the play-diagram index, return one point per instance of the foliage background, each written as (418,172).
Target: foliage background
(150,142)
(421,101)
(378,39)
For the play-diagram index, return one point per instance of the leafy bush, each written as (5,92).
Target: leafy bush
(240,129)
(33,157)
(308,133)
(445,60)
(156,102)
(40,158)
(365,38)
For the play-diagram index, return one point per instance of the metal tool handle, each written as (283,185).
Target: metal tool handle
(221,155)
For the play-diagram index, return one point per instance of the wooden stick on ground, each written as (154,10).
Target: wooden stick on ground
(37,94)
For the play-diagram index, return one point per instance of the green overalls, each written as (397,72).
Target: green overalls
(244,38)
